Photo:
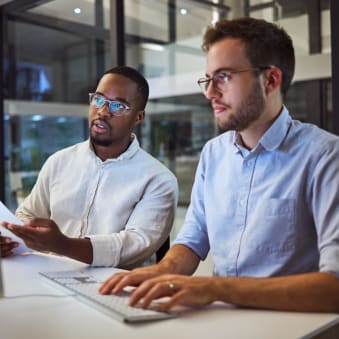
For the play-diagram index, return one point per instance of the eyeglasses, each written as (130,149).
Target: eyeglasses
(221,79)
(114,107)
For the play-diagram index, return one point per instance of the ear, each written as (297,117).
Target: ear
(139,117)
(272,79)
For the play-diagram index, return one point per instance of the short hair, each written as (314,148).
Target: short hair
(136,77)
(265,44)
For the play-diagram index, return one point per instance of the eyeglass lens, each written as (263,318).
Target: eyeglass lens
(113,106)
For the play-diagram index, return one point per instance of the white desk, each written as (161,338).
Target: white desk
(44,317)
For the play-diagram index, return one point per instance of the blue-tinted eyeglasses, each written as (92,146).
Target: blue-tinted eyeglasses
(114,107)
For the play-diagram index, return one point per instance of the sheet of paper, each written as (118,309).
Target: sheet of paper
(7,215)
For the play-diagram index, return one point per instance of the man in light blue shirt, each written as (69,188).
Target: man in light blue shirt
(282,215)
(265,197)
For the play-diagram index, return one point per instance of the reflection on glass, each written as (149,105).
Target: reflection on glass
(30,140)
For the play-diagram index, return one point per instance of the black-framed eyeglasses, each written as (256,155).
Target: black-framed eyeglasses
(221,79)
(115,107)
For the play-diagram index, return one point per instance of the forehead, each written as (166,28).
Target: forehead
(117,86)
(226,53)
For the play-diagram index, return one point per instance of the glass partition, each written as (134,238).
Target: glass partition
(56,50)
(54,54)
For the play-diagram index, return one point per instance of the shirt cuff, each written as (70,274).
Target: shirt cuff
(104,252)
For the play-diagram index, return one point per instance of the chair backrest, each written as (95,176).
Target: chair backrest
(163,249)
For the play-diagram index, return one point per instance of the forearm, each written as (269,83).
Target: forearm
(311,292)
(179,260)
(76,248)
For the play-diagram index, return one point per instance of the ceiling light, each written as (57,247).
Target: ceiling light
(37,117)
(152,46)
(77,10)
(183,11)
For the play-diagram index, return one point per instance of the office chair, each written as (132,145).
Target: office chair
(160,253)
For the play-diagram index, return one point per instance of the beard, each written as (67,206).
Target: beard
(248,112)
(99,140)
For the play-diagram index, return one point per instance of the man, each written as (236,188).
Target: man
(265,197)
(105,201)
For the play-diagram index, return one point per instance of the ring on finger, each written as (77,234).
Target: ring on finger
(170,285)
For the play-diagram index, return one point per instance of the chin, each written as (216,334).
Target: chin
(100,142)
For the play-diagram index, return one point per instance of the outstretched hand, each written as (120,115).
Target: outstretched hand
(38,234)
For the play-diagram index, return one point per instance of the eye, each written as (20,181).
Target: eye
(99,101)
(222,77)
(115,106)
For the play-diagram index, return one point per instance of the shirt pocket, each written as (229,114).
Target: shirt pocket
(271,226)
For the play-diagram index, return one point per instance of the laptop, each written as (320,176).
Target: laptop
(84,287)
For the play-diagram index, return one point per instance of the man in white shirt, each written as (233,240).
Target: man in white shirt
(105,201)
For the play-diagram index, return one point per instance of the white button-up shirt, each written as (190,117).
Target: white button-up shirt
(125,206)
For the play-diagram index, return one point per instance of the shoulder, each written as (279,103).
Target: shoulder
(314,138)
(70,152)
(147,162)
(220,143)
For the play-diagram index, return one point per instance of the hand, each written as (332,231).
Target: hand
(179,288)
(118,281)
(38,234)
(6,246)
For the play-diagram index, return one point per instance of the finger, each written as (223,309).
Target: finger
(163,288)
(6,252)
(111,282)
(148,291)
(39,222)
(5,240)
(177,298)
(22,230)
(9,246)
(140,293)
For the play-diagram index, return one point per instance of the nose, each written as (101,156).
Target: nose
(211,91)
(104,111)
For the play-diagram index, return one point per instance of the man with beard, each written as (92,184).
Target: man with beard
(265,197)
(105,201)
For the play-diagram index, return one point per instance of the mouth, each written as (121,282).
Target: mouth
(100,126)
(219,109)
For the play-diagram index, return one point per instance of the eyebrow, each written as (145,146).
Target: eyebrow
(115,99)
(221,69)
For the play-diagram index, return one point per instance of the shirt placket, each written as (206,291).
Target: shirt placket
(247,173)
(95,181)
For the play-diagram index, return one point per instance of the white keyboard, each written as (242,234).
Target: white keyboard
(85,288)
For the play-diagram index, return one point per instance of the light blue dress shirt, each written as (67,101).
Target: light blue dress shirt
(270,211)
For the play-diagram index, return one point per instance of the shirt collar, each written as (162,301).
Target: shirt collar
(128,154)
(275,135)
(131,150)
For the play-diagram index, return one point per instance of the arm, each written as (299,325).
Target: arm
(44,235)
(310,292)
(139,222)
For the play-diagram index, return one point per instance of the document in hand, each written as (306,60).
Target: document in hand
(7,215)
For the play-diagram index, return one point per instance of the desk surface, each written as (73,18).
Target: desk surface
(38,314)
